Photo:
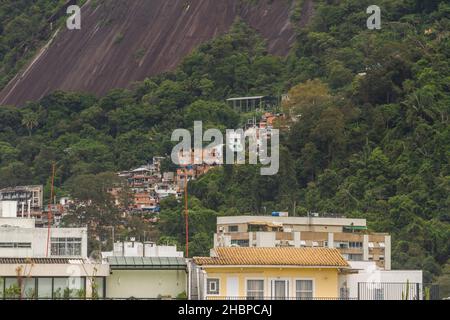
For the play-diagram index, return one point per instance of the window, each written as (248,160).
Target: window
(240,243)
(29,288)
(304,289)
(355,257)
(212,286)
(98,284)
(60,287)
(233,228)
(44,288)
(15,245)
(381,244)
(280,289)
(355,245)
(66,246)
(255,289)
(371,245)
(341,245)
(12,289)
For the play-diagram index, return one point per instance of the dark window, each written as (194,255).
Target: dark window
(15,244)
(240,243)
(355,245)
(233,228)
(212,286)
(255,289)
(304,289)
(66,246)
(355,257)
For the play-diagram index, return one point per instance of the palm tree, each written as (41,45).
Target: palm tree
(30,121)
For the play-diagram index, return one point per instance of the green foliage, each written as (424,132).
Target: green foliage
(24,26)
(13,292)
(182,296)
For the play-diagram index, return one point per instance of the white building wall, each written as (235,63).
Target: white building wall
(136,249)
(265,239)
(369,273)
(19,231)
(366,247)
(330,240)
(387,252)
(8,209)
(146,283)
(297,237)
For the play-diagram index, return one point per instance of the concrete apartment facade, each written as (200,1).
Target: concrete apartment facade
(349,236)
(29,198)
(20,238)
(27,271)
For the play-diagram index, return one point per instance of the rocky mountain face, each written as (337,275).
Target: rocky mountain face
(124,41)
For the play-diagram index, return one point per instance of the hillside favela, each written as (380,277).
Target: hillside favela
(246,151)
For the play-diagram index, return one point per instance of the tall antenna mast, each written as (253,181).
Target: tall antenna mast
(49,213)
(186,211)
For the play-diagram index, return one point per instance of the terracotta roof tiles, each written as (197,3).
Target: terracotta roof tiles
(286,256)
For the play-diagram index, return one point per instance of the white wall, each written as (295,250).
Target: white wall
(265,239)
(8,209)
(146,283)
(17,222)
(136,249)
(38,239)
(369,273)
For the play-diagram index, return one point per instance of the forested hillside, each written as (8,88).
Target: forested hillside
(372,141)
(24,25)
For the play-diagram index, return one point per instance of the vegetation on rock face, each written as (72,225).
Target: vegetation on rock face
(24,25)
(372,138)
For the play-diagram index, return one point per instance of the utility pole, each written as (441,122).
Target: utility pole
(112,232)
(49,214)
(186,211)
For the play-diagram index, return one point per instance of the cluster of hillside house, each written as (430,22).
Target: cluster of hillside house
(254,257)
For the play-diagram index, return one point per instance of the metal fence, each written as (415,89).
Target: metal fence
(397,291)
(274,298)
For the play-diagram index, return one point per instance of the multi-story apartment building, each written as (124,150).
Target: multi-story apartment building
(29,198)
(20,238)
(349,236)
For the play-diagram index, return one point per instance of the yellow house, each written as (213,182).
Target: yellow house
(271,273)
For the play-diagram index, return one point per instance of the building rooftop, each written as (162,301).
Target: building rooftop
(293,220)
(42,261)
(305,257)
(245,98)
(146,263)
